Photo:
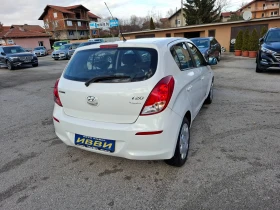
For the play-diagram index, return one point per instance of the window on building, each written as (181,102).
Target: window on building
(78,15)
(212,33)
(178,22)
(249,7)
(71,33)
(272,4)
(79,23)
(262,14)
(263,5)
(82,33)
(55,14)
(275,12)
(69,23)
(168,35)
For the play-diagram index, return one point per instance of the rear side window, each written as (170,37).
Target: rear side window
(138,64)
(181,56)
(198,57)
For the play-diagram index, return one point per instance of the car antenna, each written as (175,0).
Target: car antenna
(120,31)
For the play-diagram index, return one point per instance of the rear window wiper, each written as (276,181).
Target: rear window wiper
(110,77)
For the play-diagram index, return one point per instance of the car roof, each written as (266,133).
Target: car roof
(201,38)
(11,46)
(155,41)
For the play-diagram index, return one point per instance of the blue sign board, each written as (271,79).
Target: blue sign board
(114,23)
(93,25)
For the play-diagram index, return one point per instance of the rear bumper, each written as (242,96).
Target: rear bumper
(128,145)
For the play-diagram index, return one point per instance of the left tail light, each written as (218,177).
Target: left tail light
(55,94)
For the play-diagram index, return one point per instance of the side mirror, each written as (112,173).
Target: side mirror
(212,61)
(2,53)
(261,40)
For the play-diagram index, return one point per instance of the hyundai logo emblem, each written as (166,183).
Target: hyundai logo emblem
(92,100)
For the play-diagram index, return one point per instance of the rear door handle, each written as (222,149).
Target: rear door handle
(189,88)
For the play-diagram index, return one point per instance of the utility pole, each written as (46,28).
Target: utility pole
(182,15)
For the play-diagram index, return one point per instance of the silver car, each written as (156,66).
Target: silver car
(62,53)
(40,51)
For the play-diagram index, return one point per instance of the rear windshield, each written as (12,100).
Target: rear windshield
(201,43)
(138,64)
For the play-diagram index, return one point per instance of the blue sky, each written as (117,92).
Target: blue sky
(28,11)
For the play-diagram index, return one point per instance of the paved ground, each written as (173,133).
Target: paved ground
(234,160)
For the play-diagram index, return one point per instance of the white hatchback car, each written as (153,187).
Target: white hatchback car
(134,99)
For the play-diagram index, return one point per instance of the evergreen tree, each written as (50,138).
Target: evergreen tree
(239,41)
(254,41)
(263,31)
(201,12)
(245,44)
(152,25)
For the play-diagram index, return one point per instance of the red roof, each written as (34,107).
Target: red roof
(36,28)
(20,32)
(6,28)
(66,10)
(226,14)
(91,15)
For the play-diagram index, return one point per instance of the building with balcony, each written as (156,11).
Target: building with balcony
(262,8)
(71,23)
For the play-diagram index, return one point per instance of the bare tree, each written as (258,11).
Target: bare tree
(223,4)
(1,27)
(170,12)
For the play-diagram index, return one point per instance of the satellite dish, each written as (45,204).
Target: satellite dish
(247,15)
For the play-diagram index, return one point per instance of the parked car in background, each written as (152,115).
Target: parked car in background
(268,57)
(62,53)
(155,98)
(73,48)
(40,51)
(15,56)
(58,44)
(209,47)
(96,39)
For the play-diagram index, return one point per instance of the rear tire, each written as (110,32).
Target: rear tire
(210,96)
(182,146)
(10,65)
(219,57)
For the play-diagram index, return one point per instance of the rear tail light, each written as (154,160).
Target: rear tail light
(159,97)
(55,93)
(109,46)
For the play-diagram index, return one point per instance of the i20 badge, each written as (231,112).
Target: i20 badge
(92,100)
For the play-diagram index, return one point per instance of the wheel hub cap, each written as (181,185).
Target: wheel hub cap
(184,140)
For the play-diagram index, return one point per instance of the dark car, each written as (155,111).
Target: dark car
(268,57)
(209,47)
(14,56)
(73,48)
